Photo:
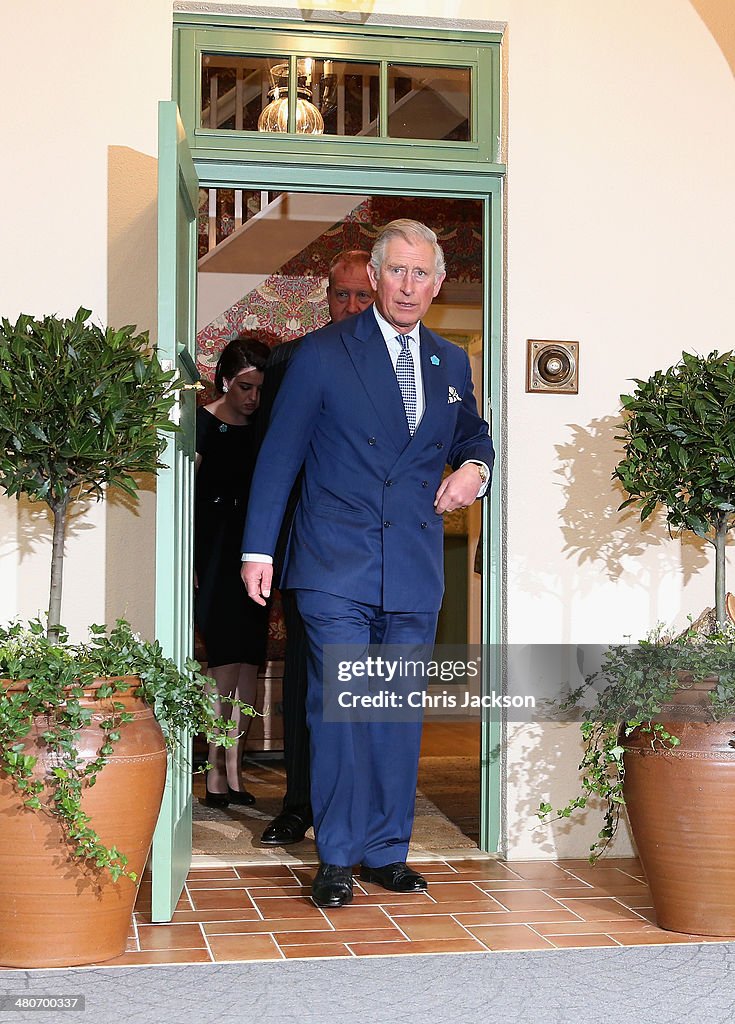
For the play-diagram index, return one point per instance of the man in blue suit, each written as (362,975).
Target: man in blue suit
(373,408)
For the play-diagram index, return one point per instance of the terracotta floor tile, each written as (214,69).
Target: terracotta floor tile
(264,881)
(220,899)
(219,872)
(458,892)
(261,870)
(553,928)
(286,907)
(568,892)
(534,917)
(352,917)
(160,956)
(467,945)
(465,907)
(316,950)
(233,914)
(651,938)
(609,878)
(171,936)
(605,909)
(492,869)
(430,927)
(581,941)
(297,924)
(388,934)
(526,899)
(244,947)
(510,936)
(297,891)
(539,871)
(378,897)
(231,882)
(644,901)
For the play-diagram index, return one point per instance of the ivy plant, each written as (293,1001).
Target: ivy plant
(679,436)
(631,691)
(59,680)
(82,408)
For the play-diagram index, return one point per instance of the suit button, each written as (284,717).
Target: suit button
(387,523)
(389,483)
(440,444)
(424,525)
(371,440)
(424,483)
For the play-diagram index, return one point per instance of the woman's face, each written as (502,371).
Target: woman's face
(243,394)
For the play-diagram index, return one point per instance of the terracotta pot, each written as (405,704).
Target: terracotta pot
(681,807)
(55,909)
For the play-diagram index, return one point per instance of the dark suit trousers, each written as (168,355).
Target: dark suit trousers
(363,772)
(295,730)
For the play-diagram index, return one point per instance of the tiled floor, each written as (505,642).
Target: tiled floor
(473,906)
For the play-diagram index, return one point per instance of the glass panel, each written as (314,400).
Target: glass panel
(428,103)
(346,92)
(333,97)
(235,90)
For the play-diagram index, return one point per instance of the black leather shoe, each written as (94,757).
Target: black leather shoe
(332,886)
(288,827)
(241,797)
(396,877)
(233,796)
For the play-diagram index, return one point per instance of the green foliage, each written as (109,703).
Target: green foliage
(630,692)
(679,436)
(55,675)
(80,408)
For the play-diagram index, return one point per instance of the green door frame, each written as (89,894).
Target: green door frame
(381,166)
(485,186)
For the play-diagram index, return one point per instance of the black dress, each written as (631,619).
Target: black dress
(233,627)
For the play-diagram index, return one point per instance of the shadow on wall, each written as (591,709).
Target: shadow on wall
(132,298)
(593,528)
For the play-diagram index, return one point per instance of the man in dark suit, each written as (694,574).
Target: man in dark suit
(373,408)
(348,292)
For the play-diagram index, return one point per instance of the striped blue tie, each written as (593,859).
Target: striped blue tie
(407,381)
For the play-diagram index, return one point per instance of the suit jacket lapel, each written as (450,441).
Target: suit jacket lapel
(435,379)
(369,355)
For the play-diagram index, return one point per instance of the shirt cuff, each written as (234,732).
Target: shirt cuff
(477,462)
(248,556)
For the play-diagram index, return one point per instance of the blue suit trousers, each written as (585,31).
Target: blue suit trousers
(363,772)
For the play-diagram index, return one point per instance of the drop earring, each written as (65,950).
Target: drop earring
(225,388)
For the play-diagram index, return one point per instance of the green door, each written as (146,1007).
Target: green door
(177,206)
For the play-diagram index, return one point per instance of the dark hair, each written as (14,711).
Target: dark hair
(242,353)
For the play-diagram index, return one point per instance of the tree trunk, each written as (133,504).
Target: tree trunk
(58,513)
(720,543)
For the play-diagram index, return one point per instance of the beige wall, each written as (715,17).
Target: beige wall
(621,157)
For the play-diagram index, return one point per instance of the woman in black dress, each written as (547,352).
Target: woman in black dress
(232,626)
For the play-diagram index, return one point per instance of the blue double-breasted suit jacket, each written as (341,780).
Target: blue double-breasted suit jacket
(365,527)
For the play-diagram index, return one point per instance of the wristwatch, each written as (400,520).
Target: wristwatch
(482,470)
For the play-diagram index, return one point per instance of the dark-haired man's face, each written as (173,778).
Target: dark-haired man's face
(349,291)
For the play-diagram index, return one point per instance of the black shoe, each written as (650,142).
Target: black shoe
(396,877)
(288,827)
(332,886)
(232,796)
(241,797)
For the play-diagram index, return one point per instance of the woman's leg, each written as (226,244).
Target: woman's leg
(239,681)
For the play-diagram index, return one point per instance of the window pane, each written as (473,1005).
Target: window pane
(235,90)
(346,93)
(428,103)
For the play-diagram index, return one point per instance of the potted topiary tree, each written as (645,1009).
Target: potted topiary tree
(658,737)
(83,726)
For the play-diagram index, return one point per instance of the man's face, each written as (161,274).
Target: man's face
(349,291)
(407,283)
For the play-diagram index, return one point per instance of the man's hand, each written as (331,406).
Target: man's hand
(257,577)
(458,490)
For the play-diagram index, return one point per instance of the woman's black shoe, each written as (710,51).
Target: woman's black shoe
(216,799)
(240,797)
